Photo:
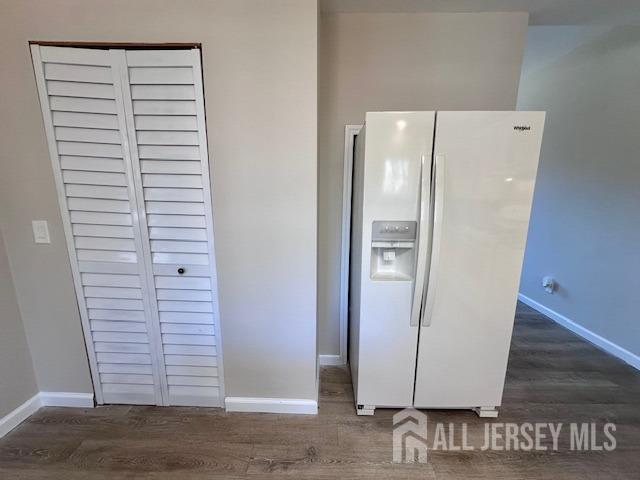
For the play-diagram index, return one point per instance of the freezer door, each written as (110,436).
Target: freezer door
(485,169)
(387,209)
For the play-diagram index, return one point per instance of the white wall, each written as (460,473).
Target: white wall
(414,61)
(260,80)
(17,380)
(585,224)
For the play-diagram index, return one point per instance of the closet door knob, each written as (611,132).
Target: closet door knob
(180,270)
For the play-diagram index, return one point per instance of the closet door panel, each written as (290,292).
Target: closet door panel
(165,116)
(81,99)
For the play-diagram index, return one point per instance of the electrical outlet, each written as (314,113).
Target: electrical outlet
(549,284)
(40,231)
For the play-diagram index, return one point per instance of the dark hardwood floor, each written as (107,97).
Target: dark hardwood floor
(553,376)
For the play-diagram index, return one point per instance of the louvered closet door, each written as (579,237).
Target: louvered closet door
(126,132)
(165,113)
(81,99)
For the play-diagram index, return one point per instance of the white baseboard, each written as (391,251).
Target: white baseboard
(14,418)
(271,405)
(43,399)
(601,342)
(331,360)
(67,399)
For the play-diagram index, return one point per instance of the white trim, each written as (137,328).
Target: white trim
(271,405)
(331,360)
(67,399)
(350,132)
(14,418)
(43,399)
(601,342)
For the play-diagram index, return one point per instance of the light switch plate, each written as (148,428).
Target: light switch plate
(40,231)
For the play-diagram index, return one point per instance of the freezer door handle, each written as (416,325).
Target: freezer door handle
(423,240)
(438,209)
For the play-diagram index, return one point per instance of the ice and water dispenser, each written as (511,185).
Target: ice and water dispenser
(393,250)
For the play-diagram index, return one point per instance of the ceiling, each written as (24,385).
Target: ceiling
(542,12)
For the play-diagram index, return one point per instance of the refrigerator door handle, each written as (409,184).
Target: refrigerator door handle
(438,208)
(423,241)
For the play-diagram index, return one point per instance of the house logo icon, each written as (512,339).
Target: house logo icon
(409,436)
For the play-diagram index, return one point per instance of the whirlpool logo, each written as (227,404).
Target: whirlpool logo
(522,128)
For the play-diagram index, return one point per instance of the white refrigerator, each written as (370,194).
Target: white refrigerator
(440,212)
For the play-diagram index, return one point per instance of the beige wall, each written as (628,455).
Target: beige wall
(585,225)
(374,62)
(260,69)
(17,380)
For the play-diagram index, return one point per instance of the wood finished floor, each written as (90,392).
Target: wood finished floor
(553,376)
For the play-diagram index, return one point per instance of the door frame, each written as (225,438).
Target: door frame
(350,132)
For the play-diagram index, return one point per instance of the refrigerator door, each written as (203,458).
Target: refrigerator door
(387,184)
(484,173)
